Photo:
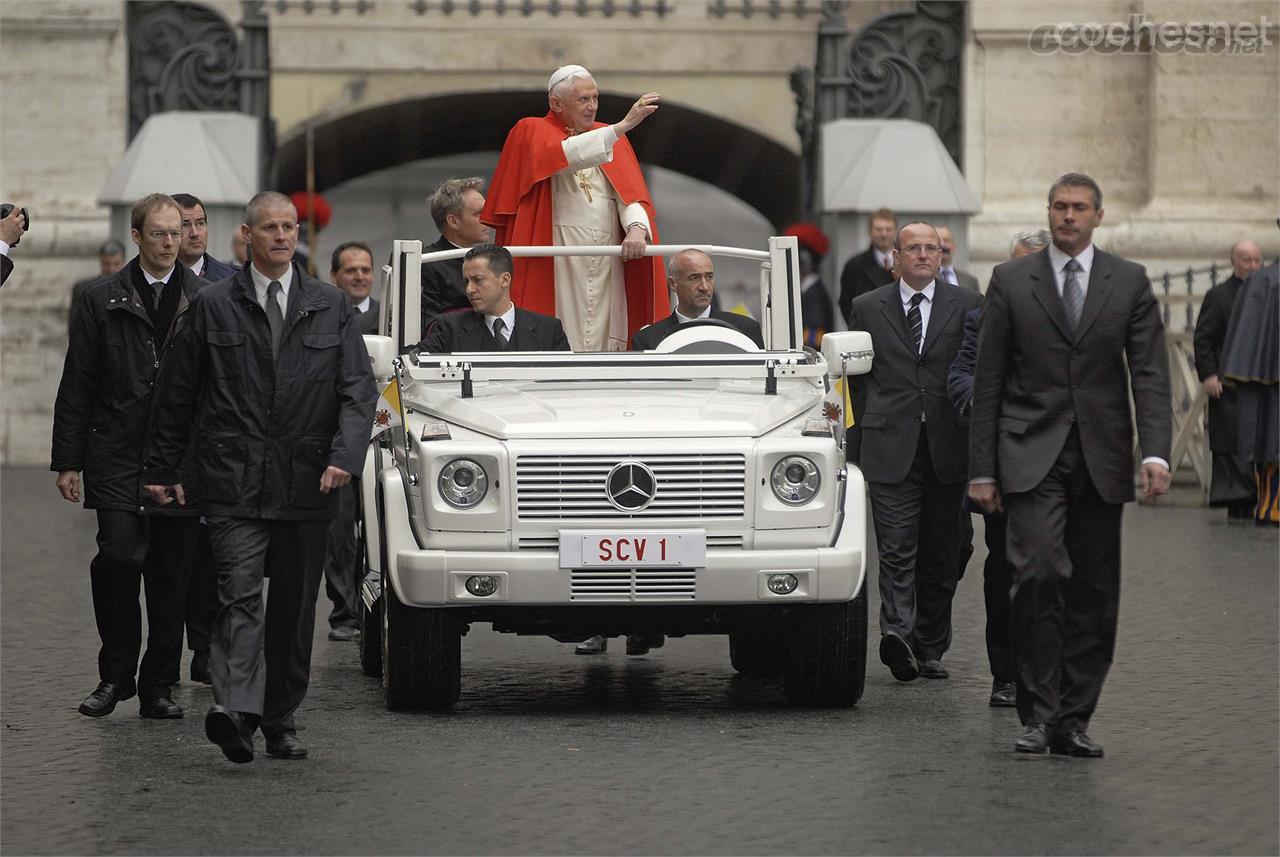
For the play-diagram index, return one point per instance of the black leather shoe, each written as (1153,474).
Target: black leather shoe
(344,633)
(1075,743)
(103,700)
(228,730)
(592,646)
(933,668)
(200,667)
(160,708)
(1004,694)
(1034,739)
(897,656)
(285,745)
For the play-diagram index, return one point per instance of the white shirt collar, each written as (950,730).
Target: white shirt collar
(682,318)
(1059,260)
(364,305)
(261,282)
(508,321)
(151,281)
(905,292)
(198,267)
(808,281)
(883,259)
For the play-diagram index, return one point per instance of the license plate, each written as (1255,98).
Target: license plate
(633,549)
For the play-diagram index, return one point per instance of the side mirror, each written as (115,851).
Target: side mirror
(852,348)
(382,352)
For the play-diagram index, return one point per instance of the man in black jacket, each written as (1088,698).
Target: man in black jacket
(455,208)
(272,373)
(872,268)
(913,451)
(122,333)
(494,323)
(692,276)
(11,228)
(1232,483)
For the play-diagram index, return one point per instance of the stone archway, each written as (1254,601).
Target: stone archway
(737,159)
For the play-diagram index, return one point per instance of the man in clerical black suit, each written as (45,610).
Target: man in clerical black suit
(493,323)
(1066,336)
(874,267)
(455,208)
(1232,482)
(691,275)
(913,451)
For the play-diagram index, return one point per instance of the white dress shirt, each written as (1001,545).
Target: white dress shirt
(261,282)
(1058,259)
(884,260)
(508,321)
(682,318)
(364,305)
(198,267)
(905,293)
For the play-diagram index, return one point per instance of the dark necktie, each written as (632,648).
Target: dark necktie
(158,288)
(1072,294)
(275,318)
(888,264)
(915,321)
(498,326)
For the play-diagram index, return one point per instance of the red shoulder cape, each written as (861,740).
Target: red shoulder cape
(518,207)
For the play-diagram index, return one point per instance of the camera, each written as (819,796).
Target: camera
(6,207)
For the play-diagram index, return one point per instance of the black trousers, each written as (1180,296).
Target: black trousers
(260,650)
(918,534)
(137,551)
(997,581)
(1064,543)
(343,570)
(202,595)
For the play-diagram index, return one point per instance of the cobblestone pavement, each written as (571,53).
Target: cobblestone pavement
(670,753)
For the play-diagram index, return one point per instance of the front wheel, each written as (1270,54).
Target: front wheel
(826,660)
(421,656)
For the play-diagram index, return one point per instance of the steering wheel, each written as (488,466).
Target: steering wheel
(706,336)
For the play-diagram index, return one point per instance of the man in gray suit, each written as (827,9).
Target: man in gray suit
(1066,335)
(913,451)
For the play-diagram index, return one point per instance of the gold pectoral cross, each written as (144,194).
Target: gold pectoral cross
(584,182)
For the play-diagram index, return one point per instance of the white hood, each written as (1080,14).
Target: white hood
(513,410)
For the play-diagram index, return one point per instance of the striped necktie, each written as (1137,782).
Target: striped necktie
(915,321)
(1072,294)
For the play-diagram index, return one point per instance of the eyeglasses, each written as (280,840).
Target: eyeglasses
(918,249)
(160,235)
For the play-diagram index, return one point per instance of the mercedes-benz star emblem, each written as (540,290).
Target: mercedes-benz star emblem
(631,486)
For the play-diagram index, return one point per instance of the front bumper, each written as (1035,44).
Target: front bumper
(436,578)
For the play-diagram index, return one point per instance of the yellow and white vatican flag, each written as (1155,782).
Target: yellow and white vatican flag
(837,406)
(387,412)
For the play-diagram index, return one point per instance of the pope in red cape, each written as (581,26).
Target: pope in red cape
(520,199)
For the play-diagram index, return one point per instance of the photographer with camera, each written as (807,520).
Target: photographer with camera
(13,222)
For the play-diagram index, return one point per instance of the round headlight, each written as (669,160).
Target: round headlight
(795,480)
(463,483)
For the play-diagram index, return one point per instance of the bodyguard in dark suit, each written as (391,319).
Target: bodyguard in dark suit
(913,451)
(122,334)
(1067,335)
(872,268)
(455,208)
(274,377)
(494,323)
(194,251)
(691,275)
(1232,483)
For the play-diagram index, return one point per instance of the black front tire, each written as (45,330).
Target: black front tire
(421,656)
(826,660)
(757,654)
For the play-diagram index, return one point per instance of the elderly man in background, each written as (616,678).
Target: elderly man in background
(1232,485)
(566,179)
(455,208)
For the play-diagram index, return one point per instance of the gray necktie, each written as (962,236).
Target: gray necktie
(498,326)
(1072,294)
(159,290)
(275,318)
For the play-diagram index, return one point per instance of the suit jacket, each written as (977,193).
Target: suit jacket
(215,270)
(1210,335)
(442,287)
(1036,377)
(466,331)
(904,384)
(367,321)
(648,337)
(960,376)
(861,274)
(965,280)
(6,268)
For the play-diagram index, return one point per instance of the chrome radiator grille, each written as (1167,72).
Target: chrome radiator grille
(633,585)
(691,486)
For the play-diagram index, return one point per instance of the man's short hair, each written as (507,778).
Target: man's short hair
(499,258)
(253,210)
(882,214)
(1032,239)
(898,234)
(111,247)
(1077,180)
(187,200)
(148,204)
(336,263)
(671,262)
(448,198)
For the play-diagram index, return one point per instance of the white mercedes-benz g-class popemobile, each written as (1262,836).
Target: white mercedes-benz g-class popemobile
(700,488)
